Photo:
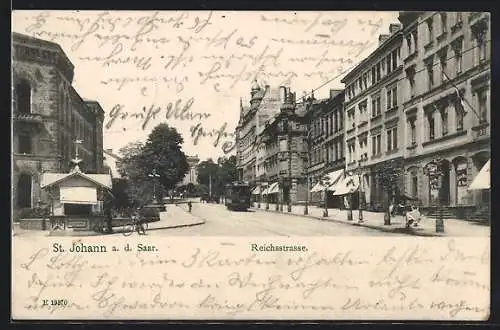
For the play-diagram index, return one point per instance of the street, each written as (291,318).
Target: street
(221,222)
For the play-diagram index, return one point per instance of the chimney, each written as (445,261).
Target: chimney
(393,28)
(283,93)
(382,38)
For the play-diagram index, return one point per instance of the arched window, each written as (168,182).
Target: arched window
(24,191)
(23,97)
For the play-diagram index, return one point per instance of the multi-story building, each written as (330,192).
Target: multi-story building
(48,117)
(282,153)
(325,120)
(271,153)
(264,103)
(374,125)
(446,104)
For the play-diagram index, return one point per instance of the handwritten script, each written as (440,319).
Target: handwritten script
(147,59)
(412,279)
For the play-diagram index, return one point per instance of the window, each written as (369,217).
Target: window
(365,80)
(374,80)
(378,70)
(388,64)
(327,126)
(444,121)
(430,120)
(351,119)
(394,59)
(410,75)
(376,144)
(459,113)
(443,62)
(24,144)
(457,49)
(392,139)
(392,97)
(341,120)
(458,18)
(483,109)
(363,111)
(24,191)
(430,74)
(443,23)
(360,82)
(23,97)
(376,106)
(414,185)
(430,32)
(413,131)
(409,44)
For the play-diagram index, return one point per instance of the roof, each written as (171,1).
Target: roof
(362,65)
(50,179)
(25,39)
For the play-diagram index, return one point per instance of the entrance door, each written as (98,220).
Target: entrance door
(444,190)
(24,185)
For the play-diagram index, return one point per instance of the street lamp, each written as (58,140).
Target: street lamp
(349,211)
(154,175)
(360,193)
(325,212)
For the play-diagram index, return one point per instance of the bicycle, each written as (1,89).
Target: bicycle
(135,225)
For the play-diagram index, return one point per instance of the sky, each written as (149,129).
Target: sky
(190,69)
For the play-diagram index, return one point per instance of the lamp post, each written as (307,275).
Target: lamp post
(308,146)
(325,212)
(349,211)
(154,175)
(360,193)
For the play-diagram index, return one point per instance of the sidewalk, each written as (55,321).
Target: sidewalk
(177,216)
(375,220)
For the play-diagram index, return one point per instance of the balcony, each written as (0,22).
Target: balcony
(32,118)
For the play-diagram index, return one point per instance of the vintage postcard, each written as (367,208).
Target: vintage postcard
(277,165)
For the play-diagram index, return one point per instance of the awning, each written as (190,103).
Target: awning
(265,191)
(345,186)
(274,188)
(334,177)
(256,191)
(482,180)
(317,187)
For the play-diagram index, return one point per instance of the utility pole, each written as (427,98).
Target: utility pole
(210,186)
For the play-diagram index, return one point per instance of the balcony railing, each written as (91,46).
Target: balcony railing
(28,118)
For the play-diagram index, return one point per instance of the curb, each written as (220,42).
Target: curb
(179,226)
(387,230)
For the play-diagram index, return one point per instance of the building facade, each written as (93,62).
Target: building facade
(446,105)
(325,121)
(48,117)
(374,125)
(271,153)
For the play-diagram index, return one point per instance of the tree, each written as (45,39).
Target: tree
(208,173)
(388,178)
(160,153)
(228,172)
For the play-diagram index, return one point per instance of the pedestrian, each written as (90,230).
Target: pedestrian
(190,206)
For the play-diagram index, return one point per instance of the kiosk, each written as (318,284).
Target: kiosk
(76,198)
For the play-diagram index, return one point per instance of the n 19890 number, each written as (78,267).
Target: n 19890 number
(54,302)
